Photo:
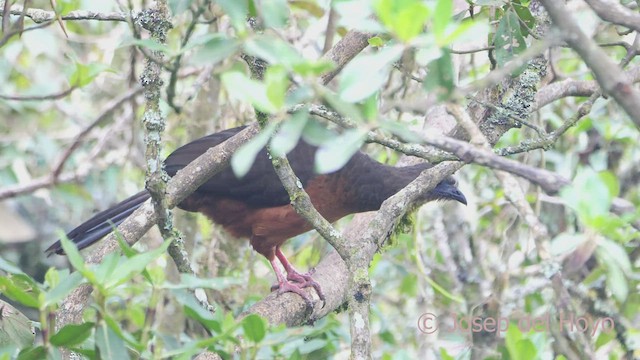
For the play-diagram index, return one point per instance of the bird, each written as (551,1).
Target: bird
(256,206)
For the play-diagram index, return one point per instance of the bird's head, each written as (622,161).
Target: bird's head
(447,189)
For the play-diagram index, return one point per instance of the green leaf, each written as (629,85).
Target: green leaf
(275,12)
(287,136)
(316,133)
(62,289)
(52,277)
(277,82)
(300,94)
(76,259)
(179,6)
(409,285)
(312,68)
(15,328)
(241,88)
(592,208)
(243,158)
(369,108)
(9,267)
(109,344)
(71,250)
(528,21)
(36,353)
(611,181)
(229,322)
(255,328)
(273,50)
(565,243)
(489,2)
(334,154)
(72,334)
(217,48)
(462,28)
(508,40)
(404,18)
(145,43)
(18,291)
(376,41)
(84,74)
(526,350)
(117,329)
(364,76)
(189,281)
(401,130)
(616,252)
(127,250)
(518,346)
(617,283)
(445,355)
(134,265)
(409,22)
(194,310)
(440,76)
(310,6)
(442,17)
(615,262)
(343,107)
(238,10)
(108,265)
(312,345)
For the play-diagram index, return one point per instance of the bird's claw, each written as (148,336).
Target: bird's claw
(286,286)
(296,283)
(305,280)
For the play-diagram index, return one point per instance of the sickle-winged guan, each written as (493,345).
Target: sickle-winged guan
(257,206)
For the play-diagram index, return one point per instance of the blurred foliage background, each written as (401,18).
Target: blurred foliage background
(71,144)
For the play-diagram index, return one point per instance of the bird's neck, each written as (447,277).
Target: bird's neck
(370,183)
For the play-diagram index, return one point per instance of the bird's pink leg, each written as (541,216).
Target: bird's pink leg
(284,285)
(304,280)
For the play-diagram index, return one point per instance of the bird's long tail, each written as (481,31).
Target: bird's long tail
(101,223)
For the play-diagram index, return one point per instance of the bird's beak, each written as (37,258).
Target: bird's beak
(458,196)
(450,192)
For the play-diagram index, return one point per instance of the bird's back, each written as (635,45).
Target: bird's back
(260,187)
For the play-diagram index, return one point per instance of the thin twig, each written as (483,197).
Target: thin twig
(55,96)
(40,16)
(106,112)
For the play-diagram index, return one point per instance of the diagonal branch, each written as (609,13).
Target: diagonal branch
(614,12)
(609,75)
(55,96)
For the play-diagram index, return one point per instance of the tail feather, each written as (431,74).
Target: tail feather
(101,223)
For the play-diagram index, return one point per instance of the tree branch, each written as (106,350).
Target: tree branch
(616,13)
(610,77)
(55,96)
(344,51)
(41,16)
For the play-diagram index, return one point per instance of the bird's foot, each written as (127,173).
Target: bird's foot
(305,280)
(301,280)
(286,286)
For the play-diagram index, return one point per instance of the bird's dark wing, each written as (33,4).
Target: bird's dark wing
(260,187)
